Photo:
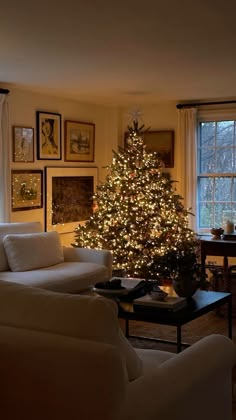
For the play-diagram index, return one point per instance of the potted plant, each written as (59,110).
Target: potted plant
(182,266)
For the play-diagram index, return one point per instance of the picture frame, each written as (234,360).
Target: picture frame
(22,144)
(27,189)
(161,142)
(69,197)
(48,135)
(79,141)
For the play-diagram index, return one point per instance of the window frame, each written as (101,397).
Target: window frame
(206,115)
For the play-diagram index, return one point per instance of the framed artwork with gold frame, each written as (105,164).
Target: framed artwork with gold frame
(161,142)
(79,141)
(27,189)
(22,144)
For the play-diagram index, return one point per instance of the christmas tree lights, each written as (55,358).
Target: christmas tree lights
(137,213)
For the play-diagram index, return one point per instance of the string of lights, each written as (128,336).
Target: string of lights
(137,213)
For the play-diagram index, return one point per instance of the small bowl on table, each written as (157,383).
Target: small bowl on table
(158,294)
(217,232)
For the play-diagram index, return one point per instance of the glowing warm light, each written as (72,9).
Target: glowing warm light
(138,215)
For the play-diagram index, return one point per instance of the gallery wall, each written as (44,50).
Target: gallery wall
(23,106)
(110,125)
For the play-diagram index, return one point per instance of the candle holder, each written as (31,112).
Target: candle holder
(229,218)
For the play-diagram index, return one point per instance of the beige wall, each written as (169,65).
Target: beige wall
(110,125)
(160,117)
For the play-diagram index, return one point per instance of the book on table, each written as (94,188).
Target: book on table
(229,236)
(171,303)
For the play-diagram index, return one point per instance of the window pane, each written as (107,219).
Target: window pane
(219,208)
(205,215)
(206,189)
(234,190)
(207,134)
(225,133)
(234,214)
(224,160)
(223,189)
(207,160)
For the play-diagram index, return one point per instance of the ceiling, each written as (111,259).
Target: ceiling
(120,53)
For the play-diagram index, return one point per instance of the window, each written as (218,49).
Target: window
(216,171)
(4,158)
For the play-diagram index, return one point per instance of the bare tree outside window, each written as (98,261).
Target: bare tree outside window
(216,172)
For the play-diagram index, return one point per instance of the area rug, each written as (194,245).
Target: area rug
(192,332)
(211,323)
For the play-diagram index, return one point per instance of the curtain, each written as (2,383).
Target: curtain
(5,188)
(187,134)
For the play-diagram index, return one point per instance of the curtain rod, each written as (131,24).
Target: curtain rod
(6,91)
(180,106)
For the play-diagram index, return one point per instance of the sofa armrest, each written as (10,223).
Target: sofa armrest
(98,256)
(195,384)
(47,376)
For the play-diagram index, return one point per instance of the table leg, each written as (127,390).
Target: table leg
(179,344)
(230,317)
(225,273)
(127,328)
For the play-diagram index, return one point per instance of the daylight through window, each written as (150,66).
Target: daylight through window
(216,172)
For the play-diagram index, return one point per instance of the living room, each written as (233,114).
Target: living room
(134,61)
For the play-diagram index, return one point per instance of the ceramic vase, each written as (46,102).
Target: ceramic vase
(185,287)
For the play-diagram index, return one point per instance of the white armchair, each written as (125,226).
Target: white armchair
(64,357)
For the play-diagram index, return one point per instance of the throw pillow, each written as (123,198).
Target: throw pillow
(12,228)
(31,251)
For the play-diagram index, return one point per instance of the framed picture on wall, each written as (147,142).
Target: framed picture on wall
(22,144)
(79,141)
(27,189)
(48,135)
(161,142)
(69,197)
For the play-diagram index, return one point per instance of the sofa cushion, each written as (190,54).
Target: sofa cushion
(9,228)
(87,317)
(30,251)
(151,357)
(66,277)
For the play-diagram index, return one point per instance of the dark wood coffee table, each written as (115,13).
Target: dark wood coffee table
(200,304)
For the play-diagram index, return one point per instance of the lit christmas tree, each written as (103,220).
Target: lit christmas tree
(137,215)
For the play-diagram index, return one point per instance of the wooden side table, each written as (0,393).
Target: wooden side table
(220,248)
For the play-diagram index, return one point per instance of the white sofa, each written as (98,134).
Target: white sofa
(31,257)
(64,357)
